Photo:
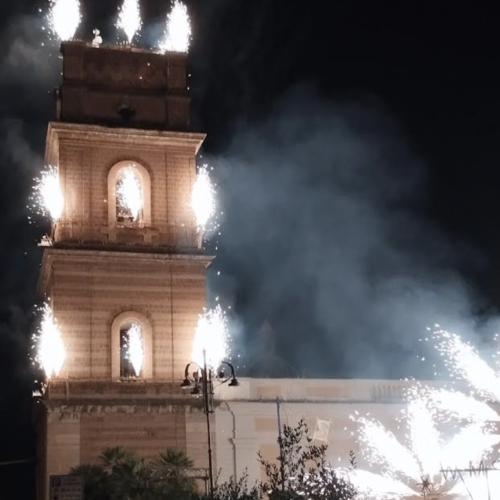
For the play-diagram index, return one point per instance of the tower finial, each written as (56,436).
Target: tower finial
(96,42)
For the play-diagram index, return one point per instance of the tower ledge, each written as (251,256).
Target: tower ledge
(104,257)
(189,142)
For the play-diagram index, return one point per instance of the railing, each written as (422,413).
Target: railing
(170,236)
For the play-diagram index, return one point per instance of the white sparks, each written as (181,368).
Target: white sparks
(211,338)
(64,18)
(135,348)
(424,437)
(51,352)
(464,361)
(381,447)
(470,445)
(369,485)
(129,194)
(47,196)
(459,405)
(129,18)
(203,198)
(177,30)
(421,465)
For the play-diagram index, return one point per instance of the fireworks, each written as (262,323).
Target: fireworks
(373,486)
(129,194)
(419,466)
(454,404)
(64,18)
(212,338)
(50,348)
(203,198)
(177,30)
(463,361)
(47,196)
(129,19)
(135,348)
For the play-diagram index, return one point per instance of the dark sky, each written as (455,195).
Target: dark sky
(355,145)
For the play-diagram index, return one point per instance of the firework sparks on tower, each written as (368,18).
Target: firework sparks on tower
(129,194)
(211,338)
(177,36)
(135,348)
(129,18)
(203,198)
(64,18)
(50,348)
(47,198)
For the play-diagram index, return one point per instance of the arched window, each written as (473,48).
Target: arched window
(132,346)
(129,195)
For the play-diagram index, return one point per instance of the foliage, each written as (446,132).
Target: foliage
(237,489)
(301,470)
(121,475)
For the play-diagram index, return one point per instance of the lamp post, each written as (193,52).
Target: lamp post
(201,383)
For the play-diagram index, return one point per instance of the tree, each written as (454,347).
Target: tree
(168,472)
(302,471)
(121,475)
(237,489)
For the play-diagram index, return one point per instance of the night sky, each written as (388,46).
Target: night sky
(355,146)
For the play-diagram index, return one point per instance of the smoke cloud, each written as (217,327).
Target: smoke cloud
(324,228)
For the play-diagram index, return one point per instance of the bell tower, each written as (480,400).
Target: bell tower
(124,255)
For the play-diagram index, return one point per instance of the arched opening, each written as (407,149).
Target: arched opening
(132,346)
(129,195)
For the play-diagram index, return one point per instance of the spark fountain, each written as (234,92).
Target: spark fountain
(464,362)
(64,18)
(135,348)
(203,198)
(47,198)
(129,18)
(433,447)
(211,337)
(129,193)
(48,340)
(177,36)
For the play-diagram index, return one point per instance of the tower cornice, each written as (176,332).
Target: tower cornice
(93,257)
(189,142)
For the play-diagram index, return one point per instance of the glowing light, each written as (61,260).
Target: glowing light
(459,405)
(463,361)
(420,464)
(135,348)
(381,447)
(470,445)
(424,437)
(211,337)
(129,18)
(47,196)
(64,18)
(129,194)
(203,198)
(369,485)
(51,352)
(177,30)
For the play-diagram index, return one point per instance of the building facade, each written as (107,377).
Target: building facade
(107,266)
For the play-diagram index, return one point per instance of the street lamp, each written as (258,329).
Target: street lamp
(201,383)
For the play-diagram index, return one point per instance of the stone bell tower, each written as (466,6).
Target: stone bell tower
(107,267)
